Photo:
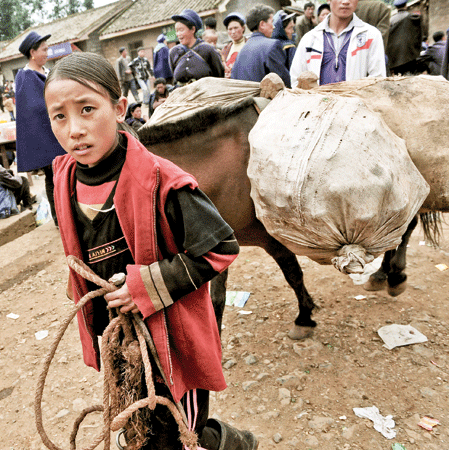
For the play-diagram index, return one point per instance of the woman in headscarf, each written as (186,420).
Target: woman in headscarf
(284,27)
(192,58)
(160,58)
(235,24)
(36,144)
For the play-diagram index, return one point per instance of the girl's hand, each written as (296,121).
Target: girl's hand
(121,298)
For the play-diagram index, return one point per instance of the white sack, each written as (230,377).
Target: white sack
(417,110)
(330,180)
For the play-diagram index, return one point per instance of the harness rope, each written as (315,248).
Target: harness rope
(129,326)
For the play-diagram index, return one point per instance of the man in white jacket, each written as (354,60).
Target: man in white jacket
(341,48)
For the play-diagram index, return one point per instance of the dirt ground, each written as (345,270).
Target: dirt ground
(292,395)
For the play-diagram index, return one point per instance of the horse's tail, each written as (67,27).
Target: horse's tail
(431,224)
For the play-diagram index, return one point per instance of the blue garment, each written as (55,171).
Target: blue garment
(161,62)
(288,45)
(259,57)
(333,67)
(36,144)
(445,63)
(435,53)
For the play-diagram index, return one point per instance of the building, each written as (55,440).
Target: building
(75,32)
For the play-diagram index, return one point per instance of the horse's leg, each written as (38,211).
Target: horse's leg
(378,280)
(218,295)
(292,271)
(397,279)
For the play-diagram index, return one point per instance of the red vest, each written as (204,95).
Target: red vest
(191,352)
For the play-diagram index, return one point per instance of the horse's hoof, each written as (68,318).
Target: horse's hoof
(375,285)
(394,291)
(298,333)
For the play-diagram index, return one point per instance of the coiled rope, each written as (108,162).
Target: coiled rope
(129,326)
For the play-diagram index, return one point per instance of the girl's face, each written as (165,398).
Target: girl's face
(289,29)
(137,113)
(235,30)
(83,120)
(185,35)
(40,55)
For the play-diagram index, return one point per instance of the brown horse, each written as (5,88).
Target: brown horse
(213,146)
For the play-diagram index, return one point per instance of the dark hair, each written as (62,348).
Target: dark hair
(210,22)
(438,35)
(160,81)
(188,24)
(89,69)
(34,47)
(121,49)
(257,14)
(323,6)
(309,5)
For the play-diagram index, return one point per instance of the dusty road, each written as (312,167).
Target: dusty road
(292,395)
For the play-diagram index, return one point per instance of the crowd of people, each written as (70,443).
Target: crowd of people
(346,40)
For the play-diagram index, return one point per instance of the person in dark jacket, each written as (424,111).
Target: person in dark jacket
(284,27)
(445,63)
(404,40)
(36,144)
(192,58)
(134,116)
(260,55)
(160,94)
(19,186)
(434,54)
(161,60)
(143,73)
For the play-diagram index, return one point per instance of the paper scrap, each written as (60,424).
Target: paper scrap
(245,312)
(397,446)
(237,298)
(360,297)
(422,242)
(442,267)
(41,334)
(13,316)
(428,423)
(397,335)
(383,425)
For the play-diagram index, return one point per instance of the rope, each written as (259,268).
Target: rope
(113,419)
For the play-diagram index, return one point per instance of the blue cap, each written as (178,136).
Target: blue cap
(399,3)
(31,39)
(161,38)
(191,16)
(234,16)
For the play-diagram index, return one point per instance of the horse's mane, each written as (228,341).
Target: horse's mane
(196,123)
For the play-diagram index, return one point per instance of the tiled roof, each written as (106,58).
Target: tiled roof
(147,12)
(71,28)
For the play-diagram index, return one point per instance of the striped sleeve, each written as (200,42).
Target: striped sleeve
(169,280)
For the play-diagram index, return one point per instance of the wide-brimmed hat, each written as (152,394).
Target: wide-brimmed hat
(234,16)
(32,39)
(191,16)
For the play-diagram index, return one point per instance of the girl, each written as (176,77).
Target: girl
(235,24)
(123,209)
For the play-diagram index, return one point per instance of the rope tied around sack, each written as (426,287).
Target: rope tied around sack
(132,332)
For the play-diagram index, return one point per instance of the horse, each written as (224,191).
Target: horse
(212,144)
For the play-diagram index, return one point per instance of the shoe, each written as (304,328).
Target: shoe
(231,438)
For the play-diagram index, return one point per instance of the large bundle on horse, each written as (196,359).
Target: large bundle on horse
(416,109)
(330,180)
(204,94)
